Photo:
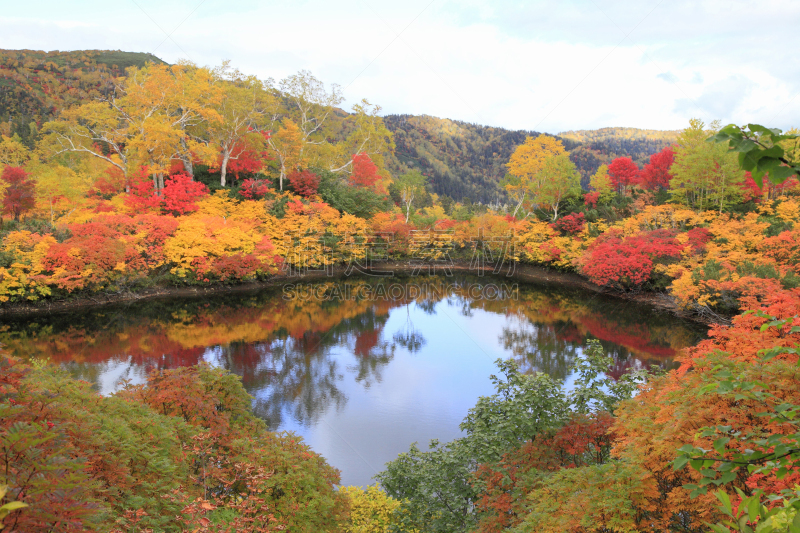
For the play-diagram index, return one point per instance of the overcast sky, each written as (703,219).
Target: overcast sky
(544,66)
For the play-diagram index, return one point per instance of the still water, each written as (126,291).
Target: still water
(361,368)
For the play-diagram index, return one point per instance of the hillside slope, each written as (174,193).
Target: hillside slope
(462,160)
(465,160)
(36,85)
(601,146)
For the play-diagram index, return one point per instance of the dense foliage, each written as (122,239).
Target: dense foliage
(36,85)
(182,452)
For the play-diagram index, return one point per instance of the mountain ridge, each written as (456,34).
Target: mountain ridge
(462,160)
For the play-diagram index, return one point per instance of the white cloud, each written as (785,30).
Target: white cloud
(534,65)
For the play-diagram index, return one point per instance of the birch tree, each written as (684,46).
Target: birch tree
(150,118)
(705,175)
(246,105)
(411,186)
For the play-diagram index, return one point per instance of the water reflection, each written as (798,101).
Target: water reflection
(538,348)
(411,365)
(408,336)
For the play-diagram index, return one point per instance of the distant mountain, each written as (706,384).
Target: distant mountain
(597,147)
(462,160)
(465,160)
(36,85)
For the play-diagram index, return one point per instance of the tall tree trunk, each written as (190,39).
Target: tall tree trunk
(185,157)
(223,168)
(188,166)
(519,205)
(158,183)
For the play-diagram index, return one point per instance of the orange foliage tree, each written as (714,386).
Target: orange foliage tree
(181,452)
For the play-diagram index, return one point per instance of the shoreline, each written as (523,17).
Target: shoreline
(522,272)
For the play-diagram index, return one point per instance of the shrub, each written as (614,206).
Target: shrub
(371,510)
(255,189)
(627,263)
(305,183)
(570,224)
(181,193)
(181,452)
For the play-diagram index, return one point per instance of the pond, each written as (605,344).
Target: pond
(361,367)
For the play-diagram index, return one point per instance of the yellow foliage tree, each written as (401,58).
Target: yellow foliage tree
(13,152)
(148,120)
(526,165)
(245,103)
(367,134)
(371,510)
(287,145)
(58,188)
(706,175)
(601,182)
(529,158)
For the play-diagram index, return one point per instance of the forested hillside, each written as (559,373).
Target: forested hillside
(462,160)
(466,160)
(36,85)
(599,147)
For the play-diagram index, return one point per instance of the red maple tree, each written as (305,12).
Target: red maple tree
(18,197)
(255,189)
(180,194)
(623,172)
(304,182)
(365,172)
(656,173)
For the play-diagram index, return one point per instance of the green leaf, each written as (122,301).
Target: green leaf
(723,136)
(766,164)
(13,506)
(679,462)
(796,521)
(744,145)
(753,508)
(758,128)
(775,152)
(723,497)
(719,528)
(779,174)
(748,161)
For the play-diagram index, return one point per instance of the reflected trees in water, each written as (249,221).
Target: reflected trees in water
(409,337)
(294,355)
(539,348)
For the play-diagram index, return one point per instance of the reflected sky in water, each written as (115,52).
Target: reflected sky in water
(359,379)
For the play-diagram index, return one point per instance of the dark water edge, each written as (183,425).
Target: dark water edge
(522,273)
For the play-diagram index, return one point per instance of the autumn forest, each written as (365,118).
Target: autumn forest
(124,177)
